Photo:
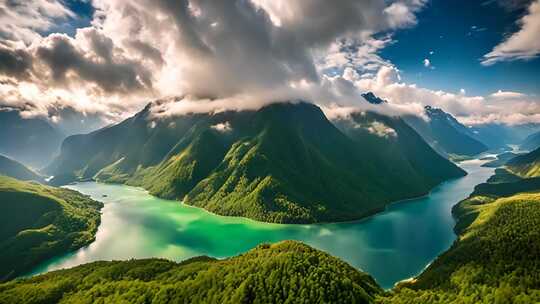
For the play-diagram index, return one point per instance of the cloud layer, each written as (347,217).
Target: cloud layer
(206,55)
(524,44)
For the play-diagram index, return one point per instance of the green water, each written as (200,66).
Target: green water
(394,245)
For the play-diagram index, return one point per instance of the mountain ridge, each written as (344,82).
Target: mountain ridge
(285,162)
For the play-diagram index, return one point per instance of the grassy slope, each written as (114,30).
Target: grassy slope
(286,272)
(497,256)
(525,166)
(38,222)
(12,168)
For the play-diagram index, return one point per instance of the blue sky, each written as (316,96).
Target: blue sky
(460,32)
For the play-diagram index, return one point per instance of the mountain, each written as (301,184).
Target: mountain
(371,98)
(532,142)
(38,222)
(445,134)
(399,148)
(285,163)
(500,136)
(31,141)
(286,272)
(525,166)
(11,168)
(495,258)
(501,159)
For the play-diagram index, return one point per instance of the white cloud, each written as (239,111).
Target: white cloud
(219,53)
(222,127)
(381,130)
(20,19)
(217,56)
(524,44)
(507,95)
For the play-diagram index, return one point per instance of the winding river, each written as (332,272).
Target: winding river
(393,245)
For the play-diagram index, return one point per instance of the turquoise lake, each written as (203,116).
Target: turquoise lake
(392,246)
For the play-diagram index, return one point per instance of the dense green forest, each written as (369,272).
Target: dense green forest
(284,163)
(496,258)
(286,272)
(38,222)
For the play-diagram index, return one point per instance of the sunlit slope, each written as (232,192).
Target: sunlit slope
(526,166)
(38,222)
(286,272)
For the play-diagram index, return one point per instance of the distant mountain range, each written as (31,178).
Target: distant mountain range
(498,136)
(32,141)
(532,142)
(445,134)
(14,169)
(283,163)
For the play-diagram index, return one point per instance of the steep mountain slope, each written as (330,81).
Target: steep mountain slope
(32,141)
(532,142)
(38,222)
(445,134)
(283,163)
(286,272)
(399,148)
(525,166)
(11,168)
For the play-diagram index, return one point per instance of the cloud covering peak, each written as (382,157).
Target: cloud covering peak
(216,55)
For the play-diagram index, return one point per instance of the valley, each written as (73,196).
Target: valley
(137,225)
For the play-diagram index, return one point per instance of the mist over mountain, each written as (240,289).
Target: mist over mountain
(285,162)
(531,142)
(12,168)
(500,136)
(32,141)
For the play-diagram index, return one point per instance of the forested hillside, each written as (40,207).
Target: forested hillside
(286,272)
(284,163)
(496,258)
(38,222)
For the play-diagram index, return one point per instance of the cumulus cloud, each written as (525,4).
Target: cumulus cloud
(212,51)
(523,44)
(20,20)
(498,107)
(209,56)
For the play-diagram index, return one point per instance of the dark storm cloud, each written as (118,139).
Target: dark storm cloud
(15,62)
(111,74)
